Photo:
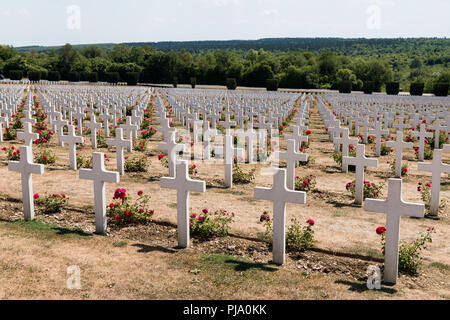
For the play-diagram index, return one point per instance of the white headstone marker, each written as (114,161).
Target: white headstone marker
(26,167)
(436,168)
(99,175)
(394,207)
(120,143)
(280,195)
(183,184)
(360,161)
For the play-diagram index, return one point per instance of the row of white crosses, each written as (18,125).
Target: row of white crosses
(98,174)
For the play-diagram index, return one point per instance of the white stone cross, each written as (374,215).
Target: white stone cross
(227,124)
(378,135)
(437,127)
(297,136)
(120,143)
(360,161)
(165,128)
(401,125)
(292,157)
(60,124)
(250,136)
(28,117)
(106,117)
(422,134)
(28,134)
(399,145)
(346,142)
(93,125)
(79,115)
(26,167)
(183,184)
(99,175)
(130,128)
(436,168)
(394,207)
(172,149)
(365,124)
(72,139)
(280,195)
(229,152)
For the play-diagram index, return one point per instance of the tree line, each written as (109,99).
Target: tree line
(326,67)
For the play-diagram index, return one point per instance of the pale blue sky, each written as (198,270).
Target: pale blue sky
(44,22)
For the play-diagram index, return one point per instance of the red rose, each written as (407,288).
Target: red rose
(140,192)
(311,222)
(381,230)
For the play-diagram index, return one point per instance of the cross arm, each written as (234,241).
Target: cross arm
(413,209)
(375,205)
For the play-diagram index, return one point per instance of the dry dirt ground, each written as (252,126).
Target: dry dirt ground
(142,262)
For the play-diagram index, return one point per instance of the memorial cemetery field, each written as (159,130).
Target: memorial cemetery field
(212,225)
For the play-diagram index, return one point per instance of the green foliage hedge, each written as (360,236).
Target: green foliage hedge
(345,86)
(392,88)
(441,89)
(16,74)
(231,84)
(132,78)
(416,88)
(54,76)
(368,87)
(272,84)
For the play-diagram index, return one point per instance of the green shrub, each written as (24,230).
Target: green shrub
(306,184)
(242,177)
(132,78)
(123,211)
(193,82)
(92,77)
(136,165)
(140,145)
(84,161)
(16,74)
(300,237)
(206,225)
(12,153)
(73,76)
(371,190)
(45,157)
(441,89)
(112,77)
(345,86)
(409,258)
(34,75)
(54,76)
(392,88)
(368,87)
(231,84)
(101,141)
(51,204)
(416,88)
(272,84)
(9,133)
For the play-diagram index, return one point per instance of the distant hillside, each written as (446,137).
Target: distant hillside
(344,46)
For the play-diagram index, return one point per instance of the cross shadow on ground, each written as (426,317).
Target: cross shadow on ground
(146,249)
(362,287)
(239,265)
(338,204)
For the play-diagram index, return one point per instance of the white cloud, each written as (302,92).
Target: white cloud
(223,3)
(270,12)
(377,2)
